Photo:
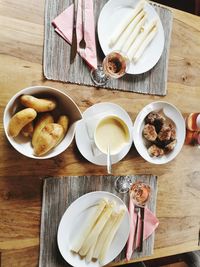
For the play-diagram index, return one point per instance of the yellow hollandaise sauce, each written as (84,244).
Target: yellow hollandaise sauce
(113,132)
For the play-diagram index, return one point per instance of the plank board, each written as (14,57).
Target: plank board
(57,55)
(59,193)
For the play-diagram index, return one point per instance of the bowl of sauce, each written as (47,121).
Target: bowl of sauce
(111,131)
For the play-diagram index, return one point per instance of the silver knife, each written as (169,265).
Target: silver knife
(142,228)
(74,37)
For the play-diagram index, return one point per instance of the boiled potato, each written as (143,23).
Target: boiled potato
(48,138)
(41,122)
(27,130)
(39,104)
(19,120)
(63,120)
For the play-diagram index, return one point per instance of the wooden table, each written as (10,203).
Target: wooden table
(178,209)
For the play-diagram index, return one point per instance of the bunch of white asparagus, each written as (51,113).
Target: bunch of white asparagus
(134,33)
(95,240)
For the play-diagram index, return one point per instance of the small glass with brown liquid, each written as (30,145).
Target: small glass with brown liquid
(114,66)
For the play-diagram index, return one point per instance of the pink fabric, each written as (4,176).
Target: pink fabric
(63,26)
(150,224)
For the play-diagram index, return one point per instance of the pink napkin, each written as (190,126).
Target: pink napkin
(63,26)
(150,224)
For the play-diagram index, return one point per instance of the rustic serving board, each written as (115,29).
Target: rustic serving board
(57,55)
(59,193)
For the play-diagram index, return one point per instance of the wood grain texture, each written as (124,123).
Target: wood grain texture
(57,53)
(179,264)
(58,194)
(178,209)
(20,257)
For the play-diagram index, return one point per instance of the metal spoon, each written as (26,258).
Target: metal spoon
(82,43)
(109,163)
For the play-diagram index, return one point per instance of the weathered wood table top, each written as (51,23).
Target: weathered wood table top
(178,199)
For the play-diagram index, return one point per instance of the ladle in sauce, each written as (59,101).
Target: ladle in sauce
(109,163)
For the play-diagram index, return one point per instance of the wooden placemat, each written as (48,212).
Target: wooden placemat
(57,66)
(59,193)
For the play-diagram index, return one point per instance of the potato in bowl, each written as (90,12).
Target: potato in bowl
(58,105)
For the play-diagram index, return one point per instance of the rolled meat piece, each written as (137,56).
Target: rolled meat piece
(155,151)
(149,132)
(165,133)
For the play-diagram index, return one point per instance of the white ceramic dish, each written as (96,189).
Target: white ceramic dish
(174,114)
(75,215)
(85,142)
(110,16)
(65,104)
(121,141)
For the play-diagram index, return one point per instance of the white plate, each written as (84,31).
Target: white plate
(110,16)
(75,216)
(174,114)
(84,142)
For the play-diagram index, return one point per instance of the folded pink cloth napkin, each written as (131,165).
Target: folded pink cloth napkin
(150,224)
(63,26)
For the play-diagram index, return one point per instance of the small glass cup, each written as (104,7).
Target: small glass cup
(123,184)
(115,65)
(140,193)
(137,190)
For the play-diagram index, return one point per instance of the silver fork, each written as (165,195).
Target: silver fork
(82,44)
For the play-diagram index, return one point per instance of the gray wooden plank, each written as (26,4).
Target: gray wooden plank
(59,193)
(57,53)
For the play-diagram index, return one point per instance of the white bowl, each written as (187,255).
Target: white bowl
(174,114)
(65,105)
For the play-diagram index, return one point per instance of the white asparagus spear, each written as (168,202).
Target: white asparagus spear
(104,234)
(95,249)
(94,233)
(140,39)
(125,22)
(133,35)
(90,253)
(125,35)
(146,42)
(81,238)
(111,235)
